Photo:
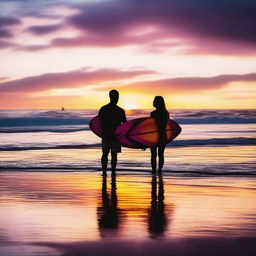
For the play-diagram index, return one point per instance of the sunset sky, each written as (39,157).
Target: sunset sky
(195,53)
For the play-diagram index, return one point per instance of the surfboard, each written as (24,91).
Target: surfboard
(143,132)
(139,132)
(95,126)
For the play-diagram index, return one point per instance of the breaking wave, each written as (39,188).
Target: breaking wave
(178,143)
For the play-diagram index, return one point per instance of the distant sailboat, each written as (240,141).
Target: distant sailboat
(62,109)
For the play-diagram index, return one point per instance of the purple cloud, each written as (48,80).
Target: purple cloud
(201,26)
(71,79)
(101,40)
(8,21)
(87,77)
(188,84)
(5,33)
(6,44)
(233,21)
(43,30)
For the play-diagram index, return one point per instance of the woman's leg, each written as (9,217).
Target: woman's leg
(153,159)
(161,157)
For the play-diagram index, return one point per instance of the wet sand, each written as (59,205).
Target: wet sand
(84,213)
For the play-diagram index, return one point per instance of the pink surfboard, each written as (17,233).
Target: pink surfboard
(95,126)
(140,132)
(143,132)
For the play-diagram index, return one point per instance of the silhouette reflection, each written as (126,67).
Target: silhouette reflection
(157,217)
(108,212)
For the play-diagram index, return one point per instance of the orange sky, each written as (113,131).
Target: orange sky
(71,54)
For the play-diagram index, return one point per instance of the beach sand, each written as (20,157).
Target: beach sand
(71,212)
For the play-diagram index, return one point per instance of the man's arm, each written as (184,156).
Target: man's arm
(100,114)
(123,117)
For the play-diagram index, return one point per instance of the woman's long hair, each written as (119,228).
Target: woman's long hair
(159,103)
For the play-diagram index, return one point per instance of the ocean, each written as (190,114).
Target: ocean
(62,139)
(55,201)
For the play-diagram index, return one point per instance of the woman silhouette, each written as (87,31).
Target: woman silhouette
(161,115)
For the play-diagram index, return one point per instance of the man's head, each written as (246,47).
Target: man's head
(114,96)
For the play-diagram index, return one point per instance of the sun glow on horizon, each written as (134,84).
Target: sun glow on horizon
(130,105)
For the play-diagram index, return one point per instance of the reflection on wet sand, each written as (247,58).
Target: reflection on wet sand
(108,213)
(111,217)
(157,218)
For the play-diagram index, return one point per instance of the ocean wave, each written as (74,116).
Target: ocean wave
(37,118)
(43,147)
(178,143)
(129,171)
(216,120)
(38,124)
(214,141)
(60,129)
(42,121)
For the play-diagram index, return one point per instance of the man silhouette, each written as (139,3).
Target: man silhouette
(111,116)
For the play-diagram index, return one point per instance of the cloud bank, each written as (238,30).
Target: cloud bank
(189,84)
(71,79)
(104,77)
(201,26)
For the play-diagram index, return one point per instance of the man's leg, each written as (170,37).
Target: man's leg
(115,149)
(104,158)
(104,161)
(113,160)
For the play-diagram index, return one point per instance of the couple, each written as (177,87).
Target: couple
(111,116)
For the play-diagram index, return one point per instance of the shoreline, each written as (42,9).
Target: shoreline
(129,171)
(193,246)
